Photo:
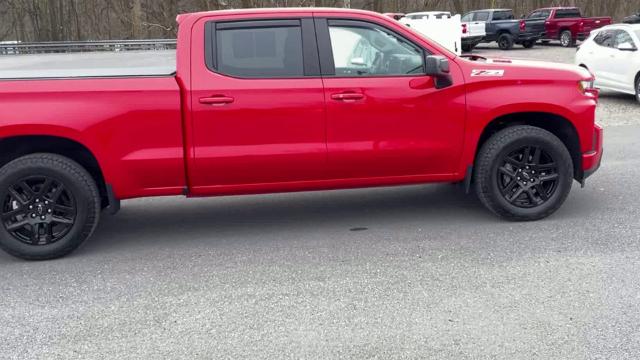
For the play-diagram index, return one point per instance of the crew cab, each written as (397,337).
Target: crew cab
(283,100)
(567,24)
(611,54)
(502,27)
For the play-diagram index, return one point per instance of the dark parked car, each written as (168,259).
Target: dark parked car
(633,19)
(504,28)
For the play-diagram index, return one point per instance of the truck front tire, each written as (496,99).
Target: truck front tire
(528,44)
(505,42)
(49,206)
(468,47)
(523,173)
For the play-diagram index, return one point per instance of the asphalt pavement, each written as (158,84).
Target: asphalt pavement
(412,272)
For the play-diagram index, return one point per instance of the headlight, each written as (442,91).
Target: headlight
(587,87)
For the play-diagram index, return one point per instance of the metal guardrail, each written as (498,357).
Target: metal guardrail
(86,46)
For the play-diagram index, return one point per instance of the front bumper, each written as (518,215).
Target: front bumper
(591,160)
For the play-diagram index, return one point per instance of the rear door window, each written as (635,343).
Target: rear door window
(605,38)
(540,14)
(258,49)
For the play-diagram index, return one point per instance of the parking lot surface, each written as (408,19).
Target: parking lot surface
(392,273)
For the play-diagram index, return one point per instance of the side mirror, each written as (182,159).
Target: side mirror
(627,47)
(438,68)
(523,16)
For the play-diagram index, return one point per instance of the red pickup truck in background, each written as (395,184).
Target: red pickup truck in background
(567,24)
(281,100)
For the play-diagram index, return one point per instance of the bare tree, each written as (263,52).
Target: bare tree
(46,20)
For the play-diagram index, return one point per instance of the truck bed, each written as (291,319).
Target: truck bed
(92,64)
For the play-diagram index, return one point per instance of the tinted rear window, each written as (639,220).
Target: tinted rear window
(260,52)
(568,13)
(503,15)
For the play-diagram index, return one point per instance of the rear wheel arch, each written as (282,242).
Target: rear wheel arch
(12,148)
(555,124)
(563,30)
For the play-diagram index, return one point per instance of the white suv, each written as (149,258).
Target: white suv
(612,54)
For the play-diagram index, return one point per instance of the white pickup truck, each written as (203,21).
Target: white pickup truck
(446,29)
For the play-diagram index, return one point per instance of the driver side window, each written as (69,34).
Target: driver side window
(370,51)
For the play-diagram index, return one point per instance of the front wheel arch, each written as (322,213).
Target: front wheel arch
(637,86)
(555,124)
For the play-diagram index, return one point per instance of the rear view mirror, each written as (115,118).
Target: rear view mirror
(438,68)
(627,47)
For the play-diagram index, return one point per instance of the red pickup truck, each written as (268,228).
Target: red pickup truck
(283,100)
(567,24)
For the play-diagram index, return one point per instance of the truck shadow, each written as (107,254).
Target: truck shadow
(167,220)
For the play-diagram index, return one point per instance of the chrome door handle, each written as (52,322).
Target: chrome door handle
(347,96)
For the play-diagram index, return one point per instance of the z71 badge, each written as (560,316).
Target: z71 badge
(498,73)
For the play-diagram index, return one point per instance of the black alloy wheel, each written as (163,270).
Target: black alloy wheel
(38,210)
(505,42)
(523,173)
(49,205)
(528,177)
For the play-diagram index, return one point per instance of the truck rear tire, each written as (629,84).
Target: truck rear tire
(523,173)
(566,39)
(528,44)
(467,47)
(638,87)
(505,42)
(49,206)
